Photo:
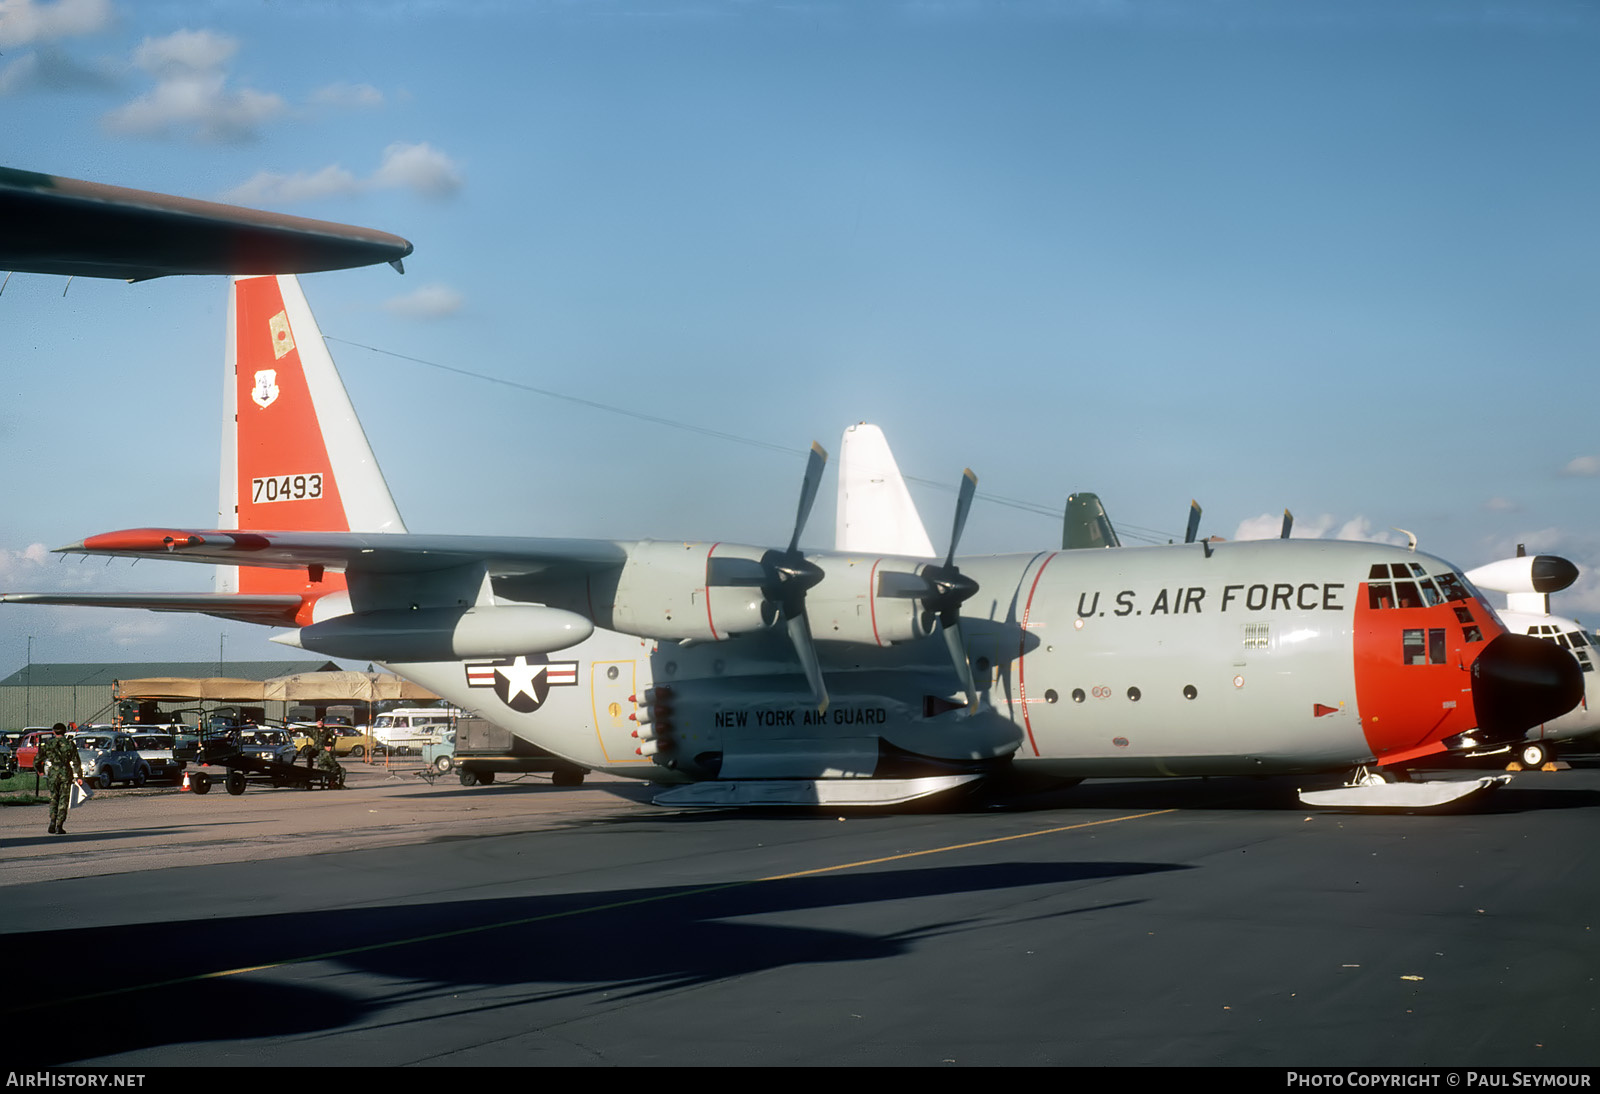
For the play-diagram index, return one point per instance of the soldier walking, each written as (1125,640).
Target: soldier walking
(59,755)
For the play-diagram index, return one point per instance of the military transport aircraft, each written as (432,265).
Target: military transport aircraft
(66,226)
(757,674)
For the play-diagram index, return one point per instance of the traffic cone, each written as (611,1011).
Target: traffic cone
(185,787)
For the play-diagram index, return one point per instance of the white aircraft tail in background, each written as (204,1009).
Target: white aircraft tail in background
(875,514)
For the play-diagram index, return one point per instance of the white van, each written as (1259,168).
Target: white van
(407,730)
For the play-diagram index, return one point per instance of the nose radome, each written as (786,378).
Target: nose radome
(1551,573)
(1519,682)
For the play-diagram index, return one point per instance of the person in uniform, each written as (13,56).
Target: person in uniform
(58,754)
(326,760)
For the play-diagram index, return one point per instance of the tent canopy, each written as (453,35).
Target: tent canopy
(368,687)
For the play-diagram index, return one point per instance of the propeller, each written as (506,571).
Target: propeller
(1194,521)
(784,578)
(943,589)
(1288,524)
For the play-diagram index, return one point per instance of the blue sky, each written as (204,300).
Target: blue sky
(1339,256)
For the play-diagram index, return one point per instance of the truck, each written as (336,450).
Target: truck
(484,750)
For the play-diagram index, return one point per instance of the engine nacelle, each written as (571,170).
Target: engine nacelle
(443,634)
(713,592)
(664,592)
(849,604)
(1525,574)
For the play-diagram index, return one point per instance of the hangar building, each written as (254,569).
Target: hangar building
(41,694)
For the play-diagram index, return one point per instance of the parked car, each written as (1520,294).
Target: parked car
(28,746)
(156,750)
(441,754)
(9,740)
(346,741)
(268,744)
(108,756)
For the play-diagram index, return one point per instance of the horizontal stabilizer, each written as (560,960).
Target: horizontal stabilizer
(274,610)
(399,552)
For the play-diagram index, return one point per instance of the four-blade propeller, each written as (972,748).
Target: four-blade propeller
(785,577)
(942,590)
(789,574)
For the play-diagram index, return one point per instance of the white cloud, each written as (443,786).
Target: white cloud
(185,52)
(419,167)
(1266,526)
(1361,528)
(1502,505)
(428,302)
(269,188)
(23,22)
(192,92)
(348,96)
(26,561)
(1269,525)
(1586,466)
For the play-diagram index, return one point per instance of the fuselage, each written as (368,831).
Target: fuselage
(1201,659)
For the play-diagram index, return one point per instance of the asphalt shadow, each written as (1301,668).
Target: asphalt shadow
(566,943)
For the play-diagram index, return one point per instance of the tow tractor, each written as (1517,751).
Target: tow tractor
(242,768)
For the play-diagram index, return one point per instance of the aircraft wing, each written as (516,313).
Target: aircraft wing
(87,229)
(276,610)
(358,552)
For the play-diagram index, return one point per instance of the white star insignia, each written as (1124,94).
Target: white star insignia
(520,678)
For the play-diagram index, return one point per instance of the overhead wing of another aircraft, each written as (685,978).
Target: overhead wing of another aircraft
(87,229)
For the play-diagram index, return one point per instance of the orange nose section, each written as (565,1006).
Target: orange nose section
(1430,677)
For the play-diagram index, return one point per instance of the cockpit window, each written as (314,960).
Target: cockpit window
(1405,592)
(1408,585)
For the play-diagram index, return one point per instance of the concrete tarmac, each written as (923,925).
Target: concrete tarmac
(1182,922)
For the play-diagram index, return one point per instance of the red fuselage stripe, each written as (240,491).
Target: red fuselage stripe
(709,621)
(1022,648)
